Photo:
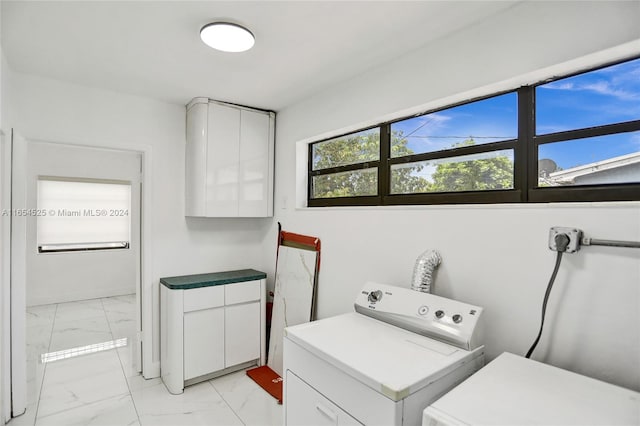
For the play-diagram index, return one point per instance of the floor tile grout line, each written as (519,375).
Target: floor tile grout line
(54,413)
(53,323)
(55,319)
(119,361)
(44,368)
(124,373)
(113,326)
(226,402)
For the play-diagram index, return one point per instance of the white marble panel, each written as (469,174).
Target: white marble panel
(250,402)
(123,328)
(293,296)
(35,376)
(137,382)
(81,380)
(40,316)
(69,334)
(199,405)
(114,411)
(75,311)
(121,313)
(38,339)
(120,305)
(126,358)
(38,336)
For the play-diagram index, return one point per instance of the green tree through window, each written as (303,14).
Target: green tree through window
(473,175)
(357,148)
(469,175)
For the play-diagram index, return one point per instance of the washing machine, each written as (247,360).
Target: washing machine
(512,390)
(382,364)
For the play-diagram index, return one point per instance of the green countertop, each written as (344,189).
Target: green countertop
(186,282)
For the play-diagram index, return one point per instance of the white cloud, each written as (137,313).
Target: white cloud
(605,88)
(558,86)
(431,122)
(601,87)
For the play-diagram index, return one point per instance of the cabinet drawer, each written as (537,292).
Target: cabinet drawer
(203,298)
(307,407)
(241,292)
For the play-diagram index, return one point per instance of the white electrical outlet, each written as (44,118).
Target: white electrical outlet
(575,235)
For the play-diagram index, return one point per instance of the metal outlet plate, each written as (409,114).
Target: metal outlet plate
(575,235)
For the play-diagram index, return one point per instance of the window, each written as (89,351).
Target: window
(571,139)
(345,167)
(74,215)
(475,172)
(465,148)
(587,136)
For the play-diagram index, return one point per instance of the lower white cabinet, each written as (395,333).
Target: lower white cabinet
(241,336)
(211,330)
(203,333)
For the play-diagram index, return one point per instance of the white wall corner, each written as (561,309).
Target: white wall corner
(302,159)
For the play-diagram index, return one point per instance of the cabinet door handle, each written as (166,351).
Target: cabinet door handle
(327,413)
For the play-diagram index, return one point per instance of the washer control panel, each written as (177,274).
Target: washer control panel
(375,296)
(443,319)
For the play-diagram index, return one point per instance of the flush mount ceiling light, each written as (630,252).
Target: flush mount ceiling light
(227,37)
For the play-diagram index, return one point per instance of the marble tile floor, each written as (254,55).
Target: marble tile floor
(103,388)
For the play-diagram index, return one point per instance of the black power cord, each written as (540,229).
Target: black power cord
(562,242)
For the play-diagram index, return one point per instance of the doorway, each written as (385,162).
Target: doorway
(66,288)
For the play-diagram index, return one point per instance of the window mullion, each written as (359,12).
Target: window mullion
(384,183)
(309,174)
(456,152)
(526,153)
(347,168)
(604,130)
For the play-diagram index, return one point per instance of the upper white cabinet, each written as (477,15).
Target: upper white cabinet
(229,160)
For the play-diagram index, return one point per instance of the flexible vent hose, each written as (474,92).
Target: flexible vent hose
(424,269)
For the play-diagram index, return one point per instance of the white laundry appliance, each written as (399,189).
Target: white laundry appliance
(384,363)
(512,390)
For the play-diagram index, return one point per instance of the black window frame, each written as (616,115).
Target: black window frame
(525,151)
(364,200)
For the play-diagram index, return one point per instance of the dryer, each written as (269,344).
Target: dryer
(512,390)
(382,364)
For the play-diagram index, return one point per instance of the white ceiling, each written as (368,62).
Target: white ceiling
(153,49)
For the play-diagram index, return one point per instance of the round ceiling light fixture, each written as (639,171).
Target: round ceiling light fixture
(227,37)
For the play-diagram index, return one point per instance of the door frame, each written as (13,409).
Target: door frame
(17,281)
(144,290)
(5,291)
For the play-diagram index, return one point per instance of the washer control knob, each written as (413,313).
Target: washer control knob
(439,313)
(457,318)
(375,296)
(422,310)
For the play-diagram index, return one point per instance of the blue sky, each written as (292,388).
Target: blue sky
(599,97)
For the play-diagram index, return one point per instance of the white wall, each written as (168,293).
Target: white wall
(5,307)
(4,275)
(50,110)
(494,256)
(71,276)
(4,245)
